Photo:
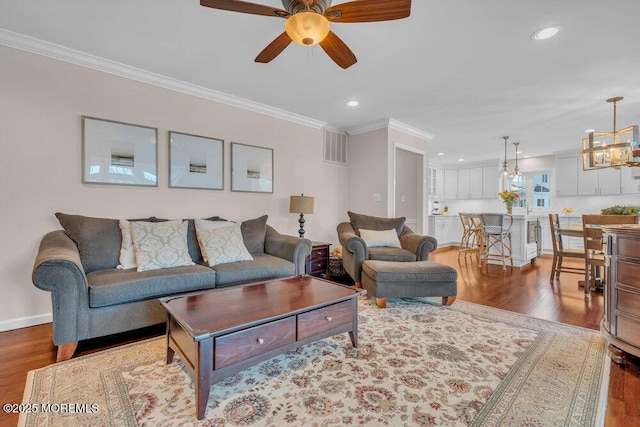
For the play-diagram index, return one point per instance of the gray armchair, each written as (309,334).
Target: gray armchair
(355,250)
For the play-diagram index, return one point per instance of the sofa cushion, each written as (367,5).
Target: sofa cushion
(263,267)
(111,287)
(98,240)
(223,245)
(360,221)
(253,233)
(161,245)
(391,254)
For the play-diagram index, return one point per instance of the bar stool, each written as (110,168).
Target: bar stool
(471,234)
(496,235)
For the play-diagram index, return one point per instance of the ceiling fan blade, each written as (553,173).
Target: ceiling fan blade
(338,51)
(245,7)
(274,48)
(369,11)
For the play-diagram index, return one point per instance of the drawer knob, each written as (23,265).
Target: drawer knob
(260,341)
(328,318)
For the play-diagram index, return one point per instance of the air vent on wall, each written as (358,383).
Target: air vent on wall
(335,147)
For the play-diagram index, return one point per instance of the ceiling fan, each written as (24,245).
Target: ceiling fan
(308,22)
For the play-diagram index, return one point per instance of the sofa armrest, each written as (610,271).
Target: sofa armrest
(58,269)
(354,250)
(419,245)
(291,248)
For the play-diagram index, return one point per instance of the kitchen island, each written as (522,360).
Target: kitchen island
(526,234)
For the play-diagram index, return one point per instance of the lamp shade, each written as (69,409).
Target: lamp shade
(307,28)
(301,204)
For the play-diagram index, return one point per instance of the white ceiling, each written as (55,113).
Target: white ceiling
(465,71)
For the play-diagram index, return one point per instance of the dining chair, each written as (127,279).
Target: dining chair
(560,252)
(496,235)
(471,234)
(593,242)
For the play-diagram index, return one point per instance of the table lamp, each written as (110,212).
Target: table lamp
(303,205)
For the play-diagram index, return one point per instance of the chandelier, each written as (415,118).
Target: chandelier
(611,149)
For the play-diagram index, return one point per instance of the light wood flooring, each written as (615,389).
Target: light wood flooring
(526,290)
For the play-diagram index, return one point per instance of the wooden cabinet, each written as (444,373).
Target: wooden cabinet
(598,182)
(318,260)
(621,322)
(567,176)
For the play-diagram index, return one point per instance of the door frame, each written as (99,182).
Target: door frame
(421,214)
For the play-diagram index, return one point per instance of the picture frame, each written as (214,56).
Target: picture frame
(119,153)
(251,168)
(195,162)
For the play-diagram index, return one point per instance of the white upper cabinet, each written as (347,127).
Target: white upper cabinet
(470,183)
(630,180)
(489,182)
(436,183)
(598,182)
(567,176)
(450,184)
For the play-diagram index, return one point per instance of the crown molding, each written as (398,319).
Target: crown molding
(390,124)
(61,53)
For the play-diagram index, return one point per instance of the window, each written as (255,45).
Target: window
(534,190)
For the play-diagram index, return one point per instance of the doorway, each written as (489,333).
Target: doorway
(409,186)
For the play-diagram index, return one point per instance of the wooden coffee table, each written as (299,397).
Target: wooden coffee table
(220,332)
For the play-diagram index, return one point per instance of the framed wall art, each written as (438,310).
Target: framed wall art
(195,162)
(119,153)
(251,168)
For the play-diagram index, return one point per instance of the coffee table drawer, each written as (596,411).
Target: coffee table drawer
(242,345)
(324,319)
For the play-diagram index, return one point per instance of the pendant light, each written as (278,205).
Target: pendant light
(503,175)
(516,170)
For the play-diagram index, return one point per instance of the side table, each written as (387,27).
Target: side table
(318,260)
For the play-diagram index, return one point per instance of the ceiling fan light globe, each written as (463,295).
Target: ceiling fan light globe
(307,28)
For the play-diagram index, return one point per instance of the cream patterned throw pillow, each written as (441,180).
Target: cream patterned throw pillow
(378,239)
(202,224)
(160,244)
(127,251)
(223,245)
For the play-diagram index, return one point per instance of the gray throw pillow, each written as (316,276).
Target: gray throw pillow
(98,240)
(366,222)
(253,234)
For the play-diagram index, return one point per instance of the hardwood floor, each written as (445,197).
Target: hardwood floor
(526,290)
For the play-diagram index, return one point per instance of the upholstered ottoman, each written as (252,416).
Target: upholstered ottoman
(391,279)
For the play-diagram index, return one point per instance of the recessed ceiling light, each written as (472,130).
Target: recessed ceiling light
(461,160)
(589,130)
(518,152)
(526,157)
(352,103)
(545,33)
(440,154)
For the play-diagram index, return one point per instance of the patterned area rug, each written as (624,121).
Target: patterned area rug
(418,364)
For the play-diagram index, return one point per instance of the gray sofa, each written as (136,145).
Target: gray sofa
(91,298)
(355,251)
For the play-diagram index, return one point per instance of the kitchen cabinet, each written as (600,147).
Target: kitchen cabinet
(469,183)
(630,180)
(436,183)
(450,184)
(567,176)
(598,182)
(489,182)
(571,242)
(447,229)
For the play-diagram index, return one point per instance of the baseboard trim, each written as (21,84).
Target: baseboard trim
(25,322)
